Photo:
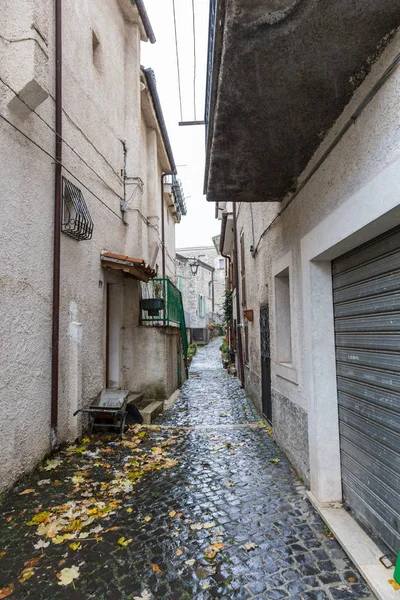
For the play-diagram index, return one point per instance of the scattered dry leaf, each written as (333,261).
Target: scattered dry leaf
(210,553)
(393,583)
(147,518)
(32,562)
(28,491)
(156,569)
(26,574)
(67,575)
(75,546)
(6,591)
(179,552)
(190,562)
(172,513)
(123,542)
(144,596)
(41,544)
(52,464)
(250,546)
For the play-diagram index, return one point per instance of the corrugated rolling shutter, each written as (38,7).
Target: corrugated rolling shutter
(366,284)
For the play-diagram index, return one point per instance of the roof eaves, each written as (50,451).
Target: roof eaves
(151,82)
(145,20)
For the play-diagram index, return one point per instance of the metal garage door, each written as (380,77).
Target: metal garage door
(366,284)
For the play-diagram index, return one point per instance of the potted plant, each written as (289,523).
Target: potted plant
(153,305)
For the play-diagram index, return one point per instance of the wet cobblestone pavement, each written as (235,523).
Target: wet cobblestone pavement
(203,505)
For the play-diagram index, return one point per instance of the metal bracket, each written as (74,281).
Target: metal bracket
(386,561)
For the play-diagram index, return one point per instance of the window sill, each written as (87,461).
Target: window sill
(286,371)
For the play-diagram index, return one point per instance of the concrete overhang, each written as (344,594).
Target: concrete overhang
(226,239)
(280,73)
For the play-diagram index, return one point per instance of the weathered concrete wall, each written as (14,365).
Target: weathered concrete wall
(360,172)
(102,108)
(155,360)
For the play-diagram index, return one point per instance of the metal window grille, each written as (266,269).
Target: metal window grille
(76,219)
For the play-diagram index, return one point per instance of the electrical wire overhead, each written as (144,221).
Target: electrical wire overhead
(194,59)
(177,59)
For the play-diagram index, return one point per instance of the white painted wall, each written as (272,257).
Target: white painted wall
(102,109)
(352,197)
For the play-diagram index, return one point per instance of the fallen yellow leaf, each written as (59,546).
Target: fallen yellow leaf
(147,518)
(26,574)
(28,491)
(172,513)
(129,510)
(123,542)
(393,583)
(75,546)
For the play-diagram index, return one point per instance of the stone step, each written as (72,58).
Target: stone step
(151,411)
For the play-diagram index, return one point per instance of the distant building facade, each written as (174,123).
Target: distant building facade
(201,280)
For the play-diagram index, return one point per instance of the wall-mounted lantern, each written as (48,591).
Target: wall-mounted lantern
(194,266)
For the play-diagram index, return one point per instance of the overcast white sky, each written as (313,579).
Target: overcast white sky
(188,143)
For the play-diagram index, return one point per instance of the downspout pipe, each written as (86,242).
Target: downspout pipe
(238,311)
(55,338)
(163,176)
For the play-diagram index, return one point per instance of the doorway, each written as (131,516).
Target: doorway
(265,364)
(113,334)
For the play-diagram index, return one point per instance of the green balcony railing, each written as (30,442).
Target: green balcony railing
(162,306)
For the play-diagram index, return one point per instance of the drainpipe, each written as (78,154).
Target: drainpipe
(238,314)
(163,224)
(55,338)
(212,293)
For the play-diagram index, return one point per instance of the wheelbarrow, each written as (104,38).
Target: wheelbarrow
(110,410)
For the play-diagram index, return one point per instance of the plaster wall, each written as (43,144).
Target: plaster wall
(351,198)
(101,111)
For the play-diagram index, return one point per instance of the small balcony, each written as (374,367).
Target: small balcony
(161,304)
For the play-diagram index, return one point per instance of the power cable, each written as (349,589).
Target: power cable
(177,59)
(58,162)
(194,59)
(62,139)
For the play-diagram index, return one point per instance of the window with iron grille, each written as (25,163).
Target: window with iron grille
(76,220)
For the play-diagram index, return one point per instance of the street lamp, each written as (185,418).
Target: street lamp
(194,266)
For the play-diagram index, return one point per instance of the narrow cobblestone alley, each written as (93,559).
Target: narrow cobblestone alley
(203,505)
